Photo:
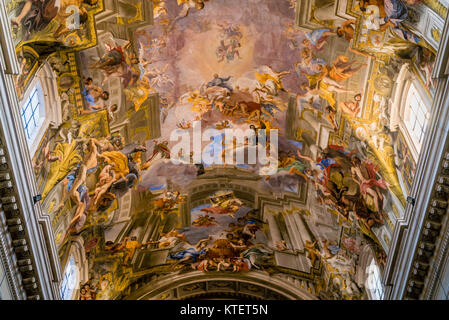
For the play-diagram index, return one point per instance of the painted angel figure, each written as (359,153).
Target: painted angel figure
(158,77)
(365,174)
(321,84)
(309,64)
(159,8)
(270,81)
(187,5)
(157,44)
(185,125)
(229,30)
(308,100)
(45,157)
(139,61)
(427,68)
(321,167)
(290,32)
(316,39)
(132,70)
(392,12)
(228,50)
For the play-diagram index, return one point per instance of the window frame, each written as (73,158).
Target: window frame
(374,271)
(74,286)
(411,140)
(33,136)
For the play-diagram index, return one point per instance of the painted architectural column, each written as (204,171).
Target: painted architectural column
(274,228)
(302,227)
(294,233)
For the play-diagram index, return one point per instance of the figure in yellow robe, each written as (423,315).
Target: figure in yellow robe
(120,161)
(315,80)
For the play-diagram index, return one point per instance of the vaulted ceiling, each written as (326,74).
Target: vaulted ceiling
(129,81)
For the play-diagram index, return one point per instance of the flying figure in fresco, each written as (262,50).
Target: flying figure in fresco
(218,81)
(366,176)
(316,39)
(228,51)
(92,95)
(75,186)
(223,202)
(158,78)
(188,5)
(230,42)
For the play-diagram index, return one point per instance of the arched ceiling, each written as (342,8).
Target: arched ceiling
(133,79)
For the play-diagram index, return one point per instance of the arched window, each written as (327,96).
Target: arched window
(410,110)
(70,280)
(416,116)
(41,107)
(373,284)
(33,113)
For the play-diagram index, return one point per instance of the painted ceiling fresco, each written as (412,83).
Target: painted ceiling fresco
(131,74)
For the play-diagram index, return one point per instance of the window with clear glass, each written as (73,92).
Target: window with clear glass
(416,117)
(70,280)
(373,283)
(32,113)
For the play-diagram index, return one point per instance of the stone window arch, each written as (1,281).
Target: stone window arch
(410,109)
(75,271)
(44,90)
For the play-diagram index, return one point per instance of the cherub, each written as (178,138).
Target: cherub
(224,124)
(157,44)
(223,263)
(238,264)
(187,5)
(159,8)
(105,174)
(158,77)
(309,64)
(47,157)
(88,292)
(185,125)
(281,245)
(102,189)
